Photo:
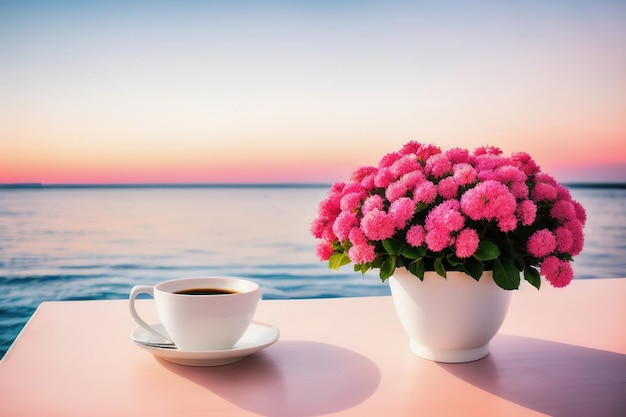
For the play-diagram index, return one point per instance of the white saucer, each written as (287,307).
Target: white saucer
(256,338)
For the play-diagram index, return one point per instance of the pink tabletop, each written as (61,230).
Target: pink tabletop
(559,353)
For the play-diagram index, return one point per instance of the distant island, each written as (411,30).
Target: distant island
(23,185)
(595,185)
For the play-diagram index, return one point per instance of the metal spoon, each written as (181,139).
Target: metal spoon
(156,344)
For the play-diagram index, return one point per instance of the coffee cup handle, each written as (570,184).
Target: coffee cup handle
(143,289)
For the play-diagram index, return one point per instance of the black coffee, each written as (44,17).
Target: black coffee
(206,291)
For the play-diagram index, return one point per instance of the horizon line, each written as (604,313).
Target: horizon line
(39,185)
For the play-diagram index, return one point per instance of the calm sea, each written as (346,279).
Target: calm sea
(87,243)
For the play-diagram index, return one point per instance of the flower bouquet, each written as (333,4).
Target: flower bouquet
(428,210)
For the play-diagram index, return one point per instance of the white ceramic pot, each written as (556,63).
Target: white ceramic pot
(449,319)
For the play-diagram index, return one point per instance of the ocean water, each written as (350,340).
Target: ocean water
(87,243)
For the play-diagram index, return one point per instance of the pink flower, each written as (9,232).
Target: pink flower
(438,166)
(562,192)
(364,176)
(525,163)
(330,207)
(377,225)
(328,233)
(514,178)
(544,191)
(361,254)
(343,224)
(357,237)
(372,202)
(447,188)
(368,182)
(545,178)
(351,201)
(425,192)
(466,243)
(362,172)
(323,250)
(425,152)
(546,188)
(507,223)
(446,216)
(505,206)
(384,177)
(388,160)
(415,235)
(488,200)
(487,150)
(527,212)
(353,187)
(395,190)
(458,155)
(581,214)
(411,147)
(411,179)
(558,272)
(408,163)
(541,243)
(576,228)
(317,227)
(438,239)
(489,161)
(487,175)
(519,189)
(337,188)
(464,174)
(509,174)
(563,210)
(402,210)
(474,202)
(564,239)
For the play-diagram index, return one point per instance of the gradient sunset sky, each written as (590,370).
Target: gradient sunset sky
(304,91)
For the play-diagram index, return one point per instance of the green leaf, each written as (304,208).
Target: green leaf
(392,246)
(506,275)
(439,268)
(487,251)
(338,260)
(474,268)
(417,268)
(377,263)
(420,207)
(411,252)
(453,261)
(532,275)
(362,268)
(388,268)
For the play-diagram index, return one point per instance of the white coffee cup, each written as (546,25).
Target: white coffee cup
(201,321)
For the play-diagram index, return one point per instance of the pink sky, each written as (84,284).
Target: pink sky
(305,92)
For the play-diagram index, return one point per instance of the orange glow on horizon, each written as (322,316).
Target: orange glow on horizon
(309,161)
(574,164)
(270,172)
